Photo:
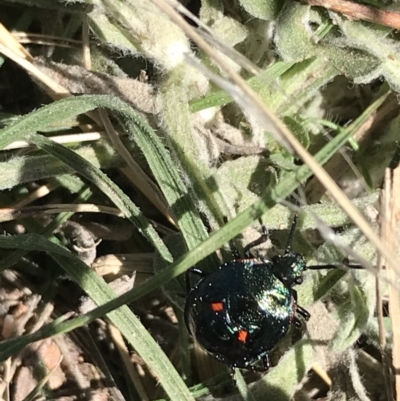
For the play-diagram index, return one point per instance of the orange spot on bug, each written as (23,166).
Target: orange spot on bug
(242,335)
(217,306)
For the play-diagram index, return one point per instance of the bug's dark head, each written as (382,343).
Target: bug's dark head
(289,267)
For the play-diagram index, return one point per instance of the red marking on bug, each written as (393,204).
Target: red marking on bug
(217,306)
(242,335)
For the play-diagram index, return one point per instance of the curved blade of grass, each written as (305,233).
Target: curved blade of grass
(156,155)
(32,168)
(107,186)
(67,108)
(168,178)
(258,83)
(100,292)
(188,151)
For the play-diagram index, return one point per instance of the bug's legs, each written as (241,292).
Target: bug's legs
(302,312)
(264,366)
(246,251)
(291,232)
(232,246)
(197,271)
(266,363)
(192,270)
(263,238)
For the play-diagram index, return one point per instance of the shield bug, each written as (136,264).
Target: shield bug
(242,310)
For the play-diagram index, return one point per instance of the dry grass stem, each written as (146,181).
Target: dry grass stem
(358,11)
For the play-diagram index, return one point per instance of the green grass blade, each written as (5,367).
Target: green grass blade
(258,83)
(100,292)
(107,186)
(166,173)
(31,168)
(157,157)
